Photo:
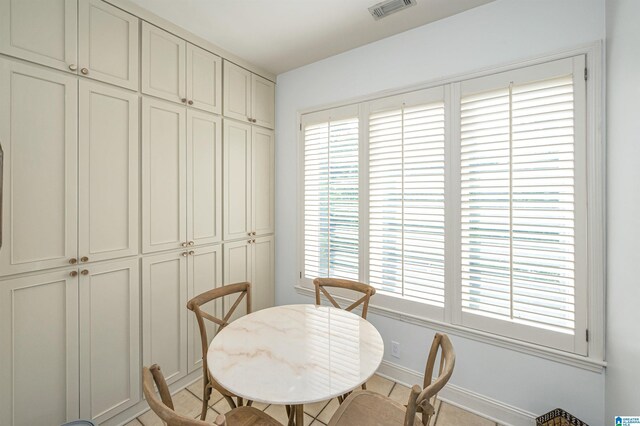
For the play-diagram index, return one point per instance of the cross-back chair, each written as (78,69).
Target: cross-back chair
(242,290)
(321,285)
(365,408)
(163,407)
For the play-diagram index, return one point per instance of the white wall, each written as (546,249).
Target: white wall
(495,34)
(623,179)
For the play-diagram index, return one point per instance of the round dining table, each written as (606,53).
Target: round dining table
(295,355)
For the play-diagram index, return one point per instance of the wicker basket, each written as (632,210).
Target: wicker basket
(559,417)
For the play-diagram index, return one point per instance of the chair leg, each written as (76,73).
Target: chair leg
(232,404)
(206,395)
(364,386)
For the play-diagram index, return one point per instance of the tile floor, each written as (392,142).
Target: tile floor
(188,403)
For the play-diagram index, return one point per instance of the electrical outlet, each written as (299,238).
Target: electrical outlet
(395,349)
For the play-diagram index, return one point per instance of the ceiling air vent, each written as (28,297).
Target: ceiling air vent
(386,8)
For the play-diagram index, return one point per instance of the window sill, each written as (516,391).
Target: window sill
(578,361)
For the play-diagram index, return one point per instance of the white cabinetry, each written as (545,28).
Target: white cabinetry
(108,172)
(248,180)
(248,97)
(251,260)
(170,335)
(74,332)
(108,44)
(177,71)
(181,173)
(89,37)
(39,211)
(42,31)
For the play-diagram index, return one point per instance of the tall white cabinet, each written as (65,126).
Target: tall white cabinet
(135,177)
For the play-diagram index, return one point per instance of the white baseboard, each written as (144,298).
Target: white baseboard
(476,403)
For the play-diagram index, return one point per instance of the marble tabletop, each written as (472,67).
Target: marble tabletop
(295,354)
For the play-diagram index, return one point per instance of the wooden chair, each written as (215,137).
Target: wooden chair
(240,416)
(372,409)
(367,290)
(242,290)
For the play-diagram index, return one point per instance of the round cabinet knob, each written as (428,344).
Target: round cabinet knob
(253,233)
(250,120)
(84,259)
(184,244)
(249,233)
(191,252)
(73,261)
(254,120)
(73,273)
(73,67)
(253,241)
(84,71)
(190,102)
(191,243)
(248,241)
(184,100)
(184,254)
(84,272)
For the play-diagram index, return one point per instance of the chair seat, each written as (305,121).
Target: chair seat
(249,416)
(370,409)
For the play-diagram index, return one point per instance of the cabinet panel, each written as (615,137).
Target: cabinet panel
(205,273)
(163,175)
(237,180)
(237,92)
(39,212)
(163,64)
(263,101)
(204,79)
(263,276)
(109,339)
(108,182)
(39,349)
(42,31)
(164,313)
(108,43)
(204,177)
(237,268)
(263,180)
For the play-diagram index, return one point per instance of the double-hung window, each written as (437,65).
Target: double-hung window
(464,203)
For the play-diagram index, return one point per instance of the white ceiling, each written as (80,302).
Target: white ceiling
(280,35)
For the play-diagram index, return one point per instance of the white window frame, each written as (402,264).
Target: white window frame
(450,321)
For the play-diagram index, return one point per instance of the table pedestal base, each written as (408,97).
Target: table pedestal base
(296,415)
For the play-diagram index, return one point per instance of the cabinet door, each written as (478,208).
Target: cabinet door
(163,64)
(164,219)
(164,313)
(237,180)
(109,339)
(263,101)
(237,268)
(38,132)
(108,175)
(205,273)
(263,275)
(108,44)
(39,350)
(204,178)
(204,79)
(237,92)
(263,180)
(42,31)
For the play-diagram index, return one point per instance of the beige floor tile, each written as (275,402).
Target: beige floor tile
(211,416)
(379,385)
(328,411)
(196,389)
(259,405)
(150,419)
(454,416)
(221,406)
(186,404)
(278,412)
(315,408)
(308,420)
(400,393)
(133,422)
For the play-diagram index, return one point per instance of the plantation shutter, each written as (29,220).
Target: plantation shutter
(406,196)
(523,204)
(331,230)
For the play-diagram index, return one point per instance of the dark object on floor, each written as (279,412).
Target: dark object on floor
(559,417)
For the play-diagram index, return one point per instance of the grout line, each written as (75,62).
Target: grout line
(392,388)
